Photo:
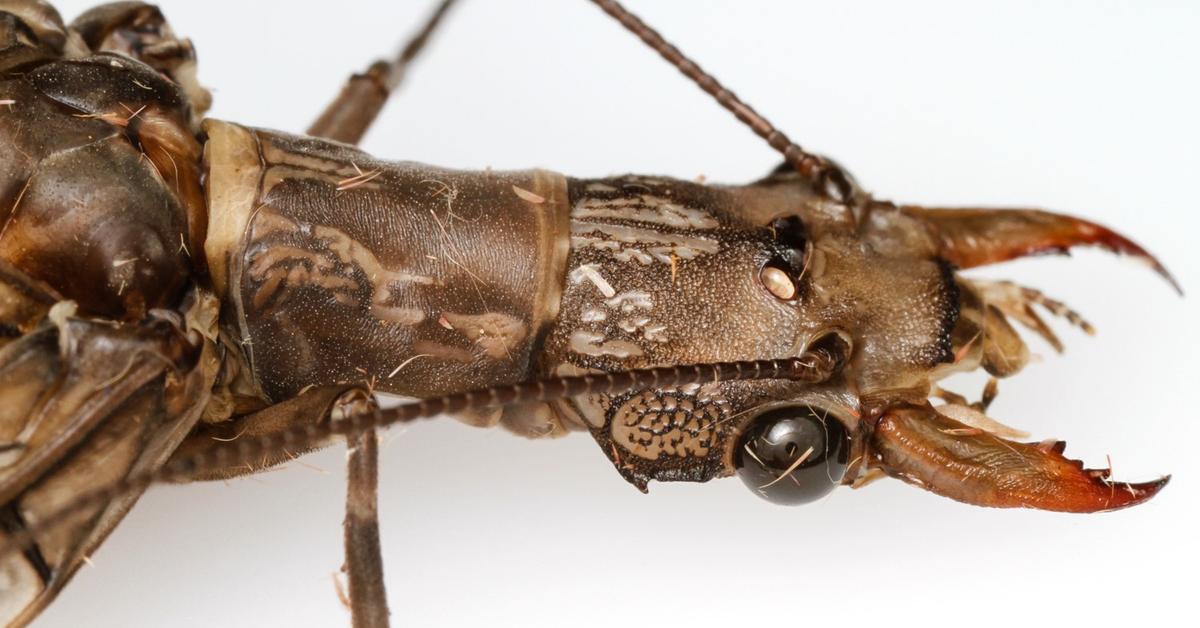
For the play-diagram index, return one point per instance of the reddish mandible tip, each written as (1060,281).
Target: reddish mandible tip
(976,237)
(922,447)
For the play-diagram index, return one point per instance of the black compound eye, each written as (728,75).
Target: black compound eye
(789,231)
(793,455)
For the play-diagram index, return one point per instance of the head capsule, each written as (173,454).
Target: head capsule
(665,272)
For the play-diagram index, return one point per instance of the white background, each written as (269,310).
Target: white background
(1084,107)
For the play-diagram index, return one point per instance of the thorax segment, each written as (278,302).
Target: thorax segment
(337,267)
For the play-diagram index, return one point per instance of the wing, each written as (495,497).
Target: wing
(83,403)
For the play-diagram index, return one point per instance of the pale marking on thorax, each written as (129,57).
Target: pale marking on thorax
(352,252)
(283,266)
(645,208)
(636,323)
(636,235)
(277,175)
(642,325)
(590,273)
(650,245)
(600,187)
(443,352)
(632,325)
(330,267)
(594,344)
(631,300)
(496,333)
(276,157)
(593,315)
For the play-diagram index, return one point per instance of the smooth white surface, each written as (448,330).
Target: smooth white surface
(1083,107)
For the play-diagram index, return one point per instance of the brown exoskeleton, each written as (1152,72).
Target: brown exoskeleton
(304,273)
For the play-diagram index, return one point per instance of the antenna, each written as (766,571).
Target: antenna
(814,366)
(825,177)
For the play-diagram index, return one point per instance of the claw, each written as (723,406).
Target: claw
(975,237)
(922,447)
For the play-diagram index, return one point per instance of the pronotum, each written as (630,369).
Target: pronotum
(807,142)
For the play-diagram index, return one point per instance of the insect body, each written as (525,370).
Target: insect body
(228,282)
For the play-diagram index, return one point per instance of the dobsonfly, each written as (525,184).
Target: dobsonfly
(662,229)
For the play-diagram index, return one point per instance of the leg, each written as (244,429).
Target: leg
(364,563)
(1018,303)
(364,560)
(348,117)
(986,398)
(84,404)
(310,408)
(990,390)
(974,415)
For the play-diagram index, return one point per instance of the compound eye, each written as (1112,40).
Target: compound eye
(793,455)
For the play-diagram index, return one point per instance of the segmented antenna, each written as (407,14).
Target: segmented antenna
(415,45)
(826,177)
(812,367)
(348,116)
